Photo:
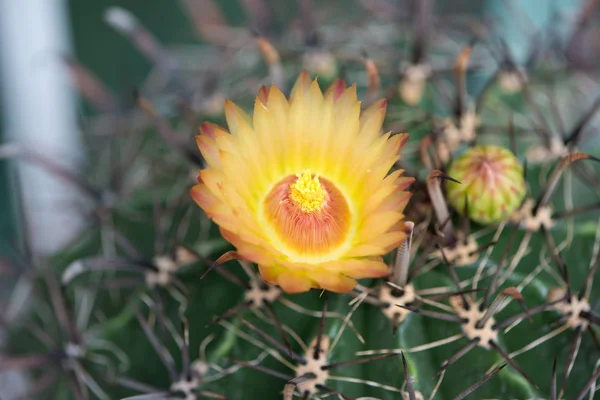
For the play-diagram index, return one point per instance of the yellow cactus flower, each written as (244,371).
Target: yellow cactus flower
(302,189)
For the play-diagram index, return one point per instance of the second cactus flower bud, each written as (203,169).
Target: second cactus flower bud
(491,181)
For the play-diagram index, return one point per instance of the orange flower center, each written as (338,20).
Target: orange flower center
(308,213)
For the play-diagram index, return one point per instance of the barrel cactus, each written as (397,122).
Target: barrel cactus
(329,243)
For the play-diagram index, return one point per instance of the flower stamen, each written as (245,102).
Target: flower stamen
(308,193)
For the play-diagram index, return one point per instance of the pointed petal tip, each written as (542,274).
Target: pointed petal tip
(337,88)
(263,94)
(207,129)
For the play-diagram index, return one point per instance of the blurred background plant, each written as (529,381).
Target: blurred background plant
(105,290)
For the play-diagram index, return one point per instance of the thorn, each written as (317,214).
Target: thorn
(432,314)
(553,381)
(288,390)
(499,266)
(460,70)
(478,384)
(272,59)
(160,350)
(556,257)
(278,326)
(185,355)
(573,350)
(167,133)
(518,297)
(575,211)
(232,311)
(556,174)
(465,225)
(454,277)
(574,137)
(271,340)
(373,79)
(399,274)
(260,368)
(511,362)
(438,202)
(409,385)
(458,355)
(228,256)
(395,324)
(358,361)
(317,350)
(588,385)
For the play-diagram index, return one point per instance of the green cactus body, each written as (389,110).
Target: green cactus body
(154,302)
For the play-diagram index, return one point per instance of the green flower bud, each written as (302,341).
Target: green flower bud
(491,179)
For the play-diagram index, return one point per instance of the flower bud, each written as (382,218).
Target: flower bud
(491,179)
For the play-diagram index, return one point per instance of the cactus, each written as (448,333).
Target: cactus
(156,300)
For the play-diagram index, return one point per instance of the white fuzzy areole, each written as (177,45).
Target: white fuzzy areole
(460,254)
(473,315)
(392,312)
(314,366)
(258,295)
(524,216)
(573,309)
